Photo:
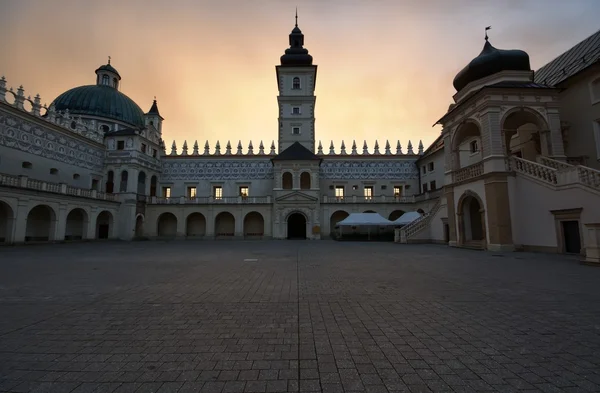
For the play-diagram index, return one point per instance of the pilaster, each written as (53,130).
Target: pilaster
(557,148)
(59,226)
(449,192)
(20,227)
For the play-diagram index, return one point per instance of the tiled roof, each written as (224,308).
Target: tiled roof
(509,84)
(296,152)
(573,61)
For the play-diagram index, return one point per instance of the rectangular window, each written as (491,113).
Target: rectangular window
(191,192)
(166,192)
(243,191)
(143,147)
(296,130)
(424,169)
(95,183)
(368,192)
(432,185)
(295,110)
(425,187)
(154,153)
(397,191)
(218,192)
(339,192)
(120,145)
(430,167)
(474,147)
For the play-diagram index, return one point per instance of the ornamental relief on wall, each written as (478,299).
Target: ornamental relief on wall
(31,138)
(217,170)
(357,170)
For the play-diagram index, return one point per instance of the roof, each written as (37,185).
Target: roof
(296,152)
(109,68)
(154,110)
(573,61)
(407,218)
(357,219)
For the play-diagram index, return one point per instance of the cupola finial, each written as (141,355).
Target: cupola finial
(108,59)
(486,29)
(296,16)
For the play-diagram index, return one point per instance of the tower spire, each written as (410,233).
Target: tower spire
(296,16)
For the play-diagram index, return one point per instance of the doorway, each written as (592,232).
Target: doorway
(571,237)
(296,226)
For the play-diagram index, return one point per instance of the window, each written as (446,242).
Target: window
(424,169)
(296,83)
(191,192)
(124,178)
(120,145)
(53,171)
(218,192)
(76,176)
(295,110)
(105,80)
(432,185)
(305,181)
(474,146)
(244,191)
(287,181)
(95,183)
(115,83)
(154,153)
(430,167)
(143,147)
(166,192)
(339,192)
(397,191)
(296,130)
(73,125)
(104,128)
(354,188)
(26,165)
(425,187)
(368,192)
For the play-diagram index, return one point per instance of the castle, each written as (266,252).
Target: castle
(514,168)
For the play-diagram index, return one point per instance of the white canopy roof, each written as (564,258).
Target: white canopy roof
(357,219)
(407,218)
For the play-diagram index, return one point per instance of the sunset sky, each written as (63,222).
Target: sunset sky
(385,67)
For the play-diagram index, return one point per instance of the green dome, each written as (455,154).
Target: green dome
(100,101)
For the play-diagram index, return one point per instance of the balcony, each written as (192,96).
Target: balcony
(236,200)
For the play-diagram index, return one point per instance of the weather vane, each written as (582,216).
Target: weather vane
(108,59)
(486,29)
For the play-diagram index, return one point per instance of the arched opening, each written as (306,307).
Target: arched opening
(296,80)
(77,223)
(167,225)
(333,220)
(153,181)
(41,221)
(224,225)
(522,135)
(110,182)
(305,181)
(104,224)
(139,226)
(141,186)
(195,225)
(296,226)
(471,220)
(466,145)
(6,223)
(287,181)
(123,185)
(254,225)
(396,214)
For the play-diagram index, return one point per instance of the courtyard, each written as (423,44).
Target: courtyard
(278,316)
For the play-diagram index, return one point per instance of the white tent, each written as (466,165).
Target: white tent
(407,218)
(364,219)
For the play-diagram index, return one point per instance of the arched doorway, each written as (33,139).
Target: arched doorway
(41,221)
(104,224)
(471,224)
(6,223)
(224,225)
(195,225)
(296,226)
(167,225)
(305,181)
(254,225)
(141,186)
(77,223)
(139,226)
(334,219)
(396,214)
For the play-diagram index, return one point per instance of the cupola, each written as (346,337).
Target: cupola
(296,54)
(107,75)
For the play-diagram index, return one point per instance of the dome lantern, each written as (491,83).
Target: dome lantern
(107,75)
(296,54)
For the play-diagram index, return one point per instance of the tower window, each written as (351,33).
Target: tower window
(295,110)
(296,84)
(296,130)
(105,80)
(115,83)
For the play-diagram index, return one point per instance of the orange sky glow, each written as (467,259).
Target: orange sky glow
(385,68)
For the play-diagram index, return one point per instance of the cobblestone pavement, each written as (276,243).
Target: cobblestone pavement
(281,316)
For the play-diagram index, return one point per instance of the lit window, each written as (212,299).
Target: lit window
(368,192)
(295,110)
(166,192)
(191,192)
(296,131)
(296,84)
(474,146)
(397,191)
(339,192)
(218,192)
(244,191)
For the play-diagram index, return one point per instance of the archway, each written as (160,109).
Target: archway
(104,224)
(195,225)
(141,186)
(139,226)
(466,145)
(6,222)
(287,181)
(522,134)
(41,221)
(336,217)
(167,225)
(77,223)
(305,181)
(471,220)
(296,226)
(396,214)
(225,225)
(254,225)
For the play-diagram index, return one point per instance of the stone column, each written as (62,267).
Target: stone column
(592,244)
(91,224)
(181,223)
(449,193)
(238,231)
(20,221)
(498,221)
(210,222)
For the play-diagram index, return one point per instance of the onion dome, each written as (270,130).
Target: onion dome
(489,62)
(296,54)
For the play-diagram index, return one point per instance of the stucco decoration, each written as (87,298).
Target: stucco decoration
(216,170)
(31,138)
(396,170)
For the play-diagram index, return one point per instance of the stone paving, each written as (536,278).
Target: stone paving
(289,316)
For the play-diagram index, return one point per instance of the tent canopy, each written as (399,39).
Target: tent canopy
(407,218)
(357,219)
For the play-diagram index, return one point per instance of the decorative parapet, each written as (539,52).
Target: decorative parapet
(87,129)
(57,188)
(237,200)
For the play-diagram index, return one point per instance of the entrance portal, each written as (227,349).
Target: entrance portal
(296,226)
(571,237)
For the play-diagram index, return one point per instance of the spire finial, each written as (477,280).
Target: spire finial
(296,16)
(154,98)
(486,29)
(108,60)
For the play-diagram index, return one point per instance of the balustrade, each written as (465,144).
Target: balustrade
(468,172)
